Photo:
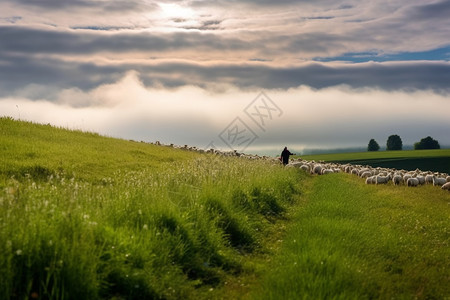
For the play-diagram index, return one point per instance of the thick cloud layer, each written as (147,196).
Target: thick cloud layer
(21,72)
(93,57)
(304,117)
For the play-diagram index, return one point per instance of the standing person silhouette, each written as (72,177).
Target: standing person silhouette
(285,156)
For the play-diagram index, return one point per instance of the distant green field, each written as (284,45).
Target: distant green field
(432,160)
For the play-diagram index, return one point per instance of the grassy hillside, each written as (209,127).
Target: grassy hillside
(41,150)
(88,217)
(433,160)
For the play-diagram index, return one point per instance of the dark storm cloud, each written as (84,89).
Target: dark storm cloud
(32,41)
(110,6)
(431,11)
(100,39)
(19,39)
(387,76)
(19,72)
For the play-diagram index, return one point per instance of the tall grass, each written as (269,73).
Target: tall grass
(163,229)
(354,241)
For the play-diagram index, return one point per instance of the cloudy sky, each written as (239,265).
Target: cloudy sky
(252,74)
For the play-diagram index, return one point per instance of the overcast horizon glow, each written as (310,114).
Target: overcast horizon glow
(340,72)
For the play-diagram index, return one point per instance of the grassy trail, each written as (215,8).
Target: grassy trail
(352,241)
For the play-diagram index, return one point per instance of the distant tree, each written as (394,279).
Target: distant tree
(373,145)
(427,143)
(394,142)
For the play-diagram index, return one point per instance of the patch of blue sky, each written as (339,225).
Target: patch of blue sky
(438,54)
(100,28)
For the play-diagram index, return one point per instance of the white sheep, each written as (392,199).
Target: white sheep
(438,181)
(305,167)
(382,179)
(446,186)
(370,180)
(365,174)
(361,171)
(317,169)
(327,171)
(421,179)
(397,179)
(429,179)
(294,165)
(448,178)
(412,182)
(406,177)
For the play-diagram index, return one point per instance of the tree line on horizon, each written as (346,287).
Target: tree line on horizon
(394,142)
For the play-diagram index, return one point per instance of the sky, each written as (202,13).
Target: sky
(234,75)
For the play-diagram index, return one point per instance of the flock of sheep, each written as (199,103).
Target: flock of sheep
(370,174)
(377,175)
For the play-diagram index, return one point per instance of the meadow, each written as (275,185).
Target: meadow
(349,240)
(84,216)
(89,217)
(426,160)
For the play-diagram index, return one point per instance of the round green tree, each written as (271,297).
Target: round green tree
(394,142)
(373,145)
(427,143)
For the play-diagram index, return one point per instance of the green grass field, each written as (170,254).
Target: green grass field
(433,160)
(349,240)
(89,217)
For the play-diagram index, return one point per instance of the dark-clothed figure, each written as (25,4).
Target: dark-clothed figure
(285,156)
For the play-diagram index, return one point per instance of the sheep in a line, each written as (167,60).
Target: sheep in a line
(378,175)
(373,175)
